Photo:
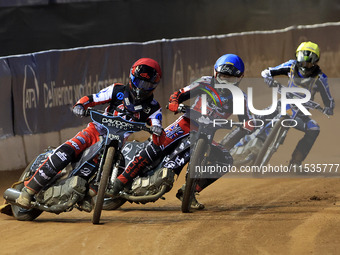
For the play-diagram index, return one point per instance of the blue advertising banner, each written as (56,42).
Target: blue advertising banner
(46,85)
(6,122)
(27,98)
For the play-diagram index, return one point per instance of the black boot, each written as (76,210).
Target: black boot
(117,187)
(143,159)
(297,158)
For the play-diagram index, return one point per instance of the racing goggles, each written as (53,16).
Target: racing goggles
(142,84)
(227,79)
(228,70)
(306,56)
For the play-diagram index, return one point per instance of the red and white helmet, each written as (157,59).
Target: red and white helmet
(145,74)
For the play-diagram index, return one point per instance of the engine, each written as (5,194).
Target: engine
(63,195)
(150,185)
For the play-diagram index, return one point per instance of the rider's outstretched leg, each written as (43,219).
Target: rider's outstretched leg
(305,144)
(57,161)
(144,158)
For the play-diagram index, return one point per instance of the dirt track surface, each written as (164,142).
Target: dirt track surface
(242,216)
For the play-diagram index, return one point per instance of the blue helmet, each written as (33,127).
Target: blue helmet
(229,68)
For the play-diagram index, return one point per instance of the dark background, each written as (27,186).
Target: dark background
(34,25)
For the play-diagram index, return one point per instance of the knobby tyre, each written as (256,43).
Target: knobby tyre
(264,155)
(18,212)
(192,178)
(107,168)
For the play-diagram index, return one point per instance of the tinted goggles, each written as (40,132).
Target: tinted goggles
(142,84)
(229,70)
(306,56)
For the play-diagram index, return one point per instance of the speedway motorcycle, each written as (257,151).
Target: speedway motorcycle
(157,179)
(258,148)
(154,180)
(201,151)
(67,190)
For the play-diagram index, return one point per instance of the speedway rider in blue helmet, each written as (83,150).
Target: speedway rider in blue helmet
(228,69)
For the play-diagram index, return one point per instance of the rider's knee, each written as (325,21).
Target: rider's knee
(62,156)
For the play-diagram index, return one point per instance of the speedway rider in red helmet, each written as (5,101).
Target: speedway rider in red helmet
(136,98)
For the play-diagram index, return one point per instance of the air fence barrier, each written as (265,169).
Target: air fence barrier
(38,90)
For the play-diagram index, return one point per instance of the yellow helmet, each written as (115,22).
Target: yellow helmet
(308,52)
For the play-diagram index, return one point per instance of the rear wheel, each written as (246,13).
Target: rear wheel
(107,168)
(192,178)
(18,212)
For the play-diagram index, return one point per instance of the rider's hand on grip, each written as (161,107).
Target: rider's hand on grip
(268,78)
(270,82)
(173,106)
(79,110)
(173,102)
(156,130)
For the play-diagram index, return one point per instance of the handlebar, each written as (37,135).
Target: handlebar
(147,129)
(181,108)
(90,109)
(310,104)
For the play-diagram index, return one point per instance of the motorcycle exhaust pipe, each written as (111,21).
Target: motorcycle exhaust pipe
(146,199)
(11,195)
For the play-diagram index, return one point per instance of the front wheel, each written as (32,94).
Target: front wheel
(192,178)
(271,144)
(107,168)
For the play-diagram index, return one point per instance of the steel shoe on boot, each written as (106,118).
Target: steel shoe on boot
(194,204)
(25,198)
(86,204)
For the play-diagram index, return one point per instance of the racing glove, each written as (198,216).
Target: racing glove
(173,102)
(268,78)
(79,110)
(328,110)
(156,130)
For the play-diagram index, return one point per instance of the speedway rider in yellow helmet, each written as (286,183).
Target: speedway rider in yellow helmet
(304,72)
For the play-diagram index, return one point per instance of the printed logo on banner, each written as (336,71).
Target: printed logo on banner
(30,93)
